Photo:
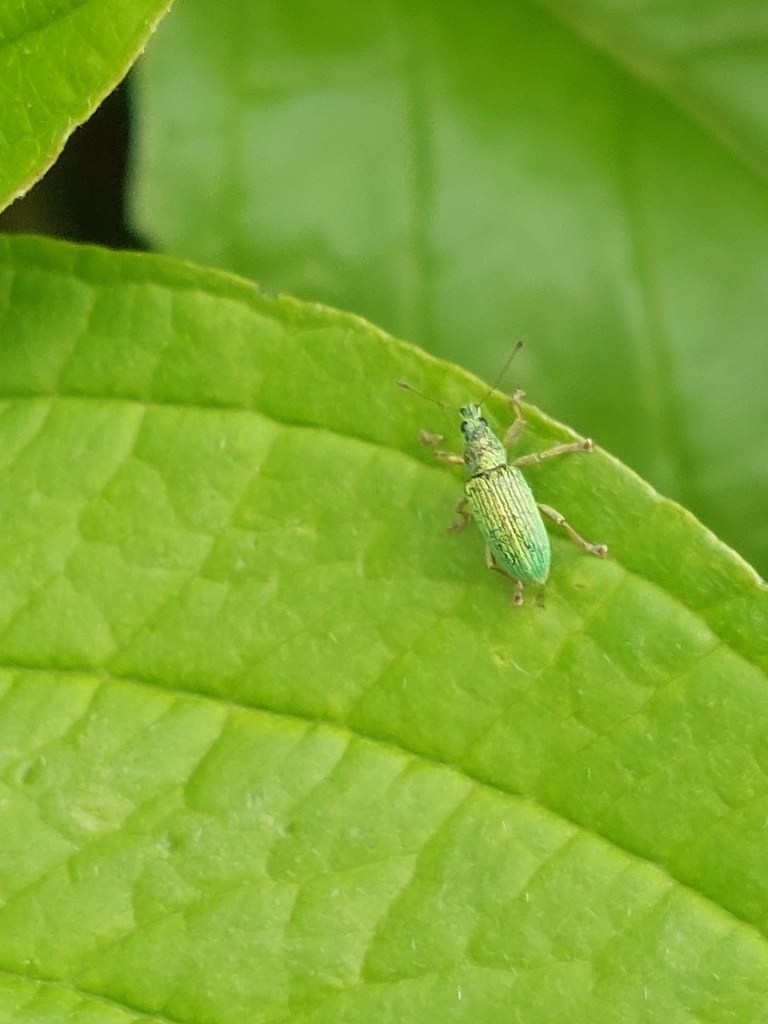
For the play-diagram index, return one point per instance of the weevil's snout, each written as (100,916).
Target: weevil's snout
(483,451)
(473,422)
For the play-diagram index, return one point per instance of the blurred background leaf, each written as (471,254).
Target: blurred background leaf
(591,178)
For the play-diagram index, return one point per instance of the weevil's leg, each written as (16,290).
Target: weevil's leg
(461,510)
(594,549)
(517,593)
(511,436)
(560,449)
(432,440)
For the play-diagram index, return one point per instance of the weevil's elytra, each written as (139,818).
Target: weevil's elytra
(501,502)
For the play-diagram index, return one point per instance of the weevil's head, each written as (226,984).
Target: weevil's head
(482,449)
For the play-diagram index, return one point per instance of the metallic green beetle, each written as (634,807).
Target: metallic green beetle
(500,500)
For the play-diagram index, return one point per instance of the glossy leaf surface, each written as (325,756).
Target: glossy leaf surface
(58,60)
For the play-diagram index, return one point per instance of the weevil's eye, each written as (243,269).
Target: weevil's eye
(484,421)
(464,425)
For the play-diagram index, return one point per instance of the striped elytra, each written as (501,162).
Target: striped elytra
(508,517)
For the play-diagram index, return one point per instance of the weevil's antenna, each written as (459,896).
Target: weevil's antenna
(429,398)
(504,369)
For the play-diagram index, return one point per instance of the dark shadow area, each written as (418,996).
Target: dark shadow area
(81,198)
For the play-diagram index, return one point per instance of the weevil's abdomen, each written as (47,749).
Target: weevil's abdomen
(507,515)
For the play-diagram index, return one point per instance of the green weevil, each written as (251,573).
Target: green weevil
(499,499)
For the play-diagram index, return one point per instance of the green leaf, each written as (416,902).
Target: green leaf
(274,744)
(709,59)
(58,60)
(464,174)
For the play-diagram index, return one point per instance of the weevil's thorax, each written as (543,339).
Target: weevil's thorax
(483,451)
